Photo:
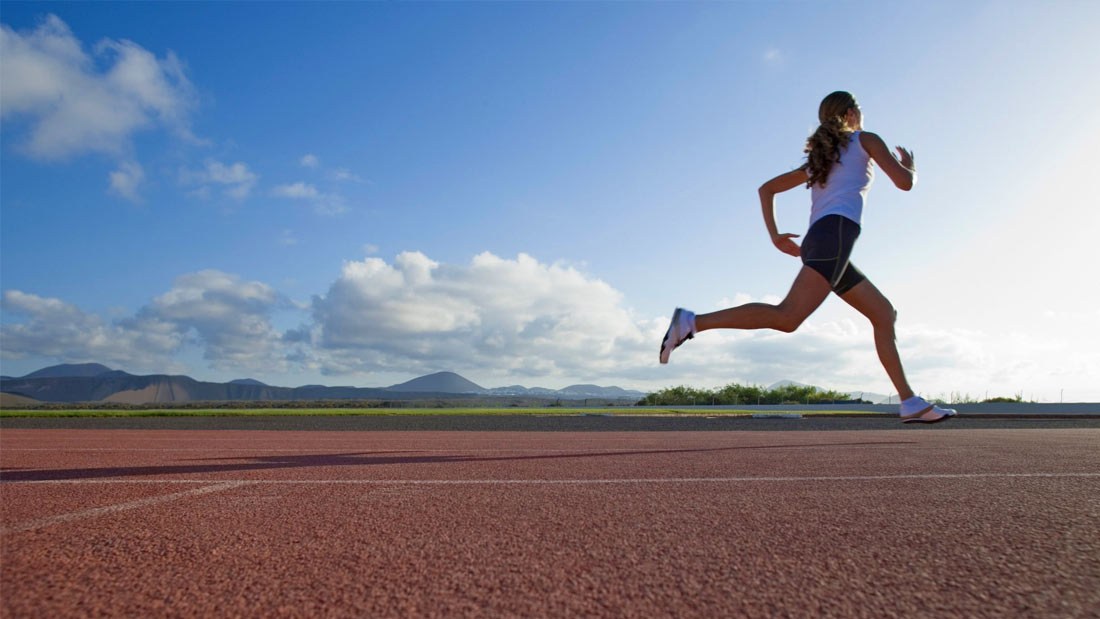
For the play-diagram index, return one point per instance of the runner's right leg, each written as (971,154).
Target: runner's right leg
(807,293)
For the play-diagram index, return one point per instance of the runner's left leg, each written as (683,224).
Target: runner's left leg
(877,308)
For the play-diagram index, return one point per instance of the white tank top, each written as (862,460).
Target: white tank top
(846,190)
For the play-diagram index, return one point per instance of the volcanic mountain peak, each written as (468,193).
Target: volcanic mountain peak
(440,382)
(70,369)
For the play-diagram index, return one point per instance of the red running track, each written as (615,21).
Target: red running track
(976,523)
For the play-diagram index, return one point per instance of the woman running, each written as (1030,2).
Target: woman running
(838,172)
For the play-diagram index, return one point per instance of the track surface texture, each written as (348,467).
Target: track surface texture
(594,422)
(873,523)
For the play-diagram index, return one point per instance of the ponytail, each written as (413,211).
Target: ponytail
(823,148)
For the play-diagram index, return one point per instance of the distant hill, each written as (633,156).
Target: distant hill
(13,399)
(790,383)
(93,382)
(440,382)
(874,398)
(162,388)
(596,391)
(70,369)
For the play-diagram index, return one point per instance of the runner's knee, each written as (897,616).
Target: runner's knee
(789,320)
(885,318)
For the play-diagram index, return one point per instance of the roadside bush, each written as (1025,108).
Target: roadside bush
(734,394)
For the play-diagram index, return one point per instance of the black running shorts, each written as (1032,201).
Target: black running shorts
(826,249)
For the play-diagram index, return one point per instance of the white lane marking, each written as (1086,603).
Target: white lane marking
(640,480)
(99,511)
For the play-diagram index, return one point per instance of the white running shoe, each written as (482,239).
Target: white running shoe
(680,330)
(919,410)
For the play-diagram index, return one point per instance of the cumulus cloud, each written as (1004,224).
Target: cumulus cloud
(297,190)
(230,316)
(322,203)
(310,160)
(517,319)
(515,315)
(344,174)
(61,330)
(522,318)
(236,179)
(225,315)
(125,180)
(77,102)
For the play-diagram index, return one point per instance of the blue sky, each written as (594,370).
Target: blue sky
(354,193)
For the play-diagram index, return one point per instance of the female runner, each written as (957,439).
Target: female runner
(838,172)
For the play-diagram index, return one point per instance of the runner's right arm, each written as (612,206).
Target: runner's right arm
(779,184)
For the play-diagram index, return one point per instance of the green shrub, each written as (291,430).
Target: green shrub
(735,394)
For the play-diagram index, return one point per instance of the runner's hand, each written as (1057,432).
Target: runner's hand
(784,244)
(906,158)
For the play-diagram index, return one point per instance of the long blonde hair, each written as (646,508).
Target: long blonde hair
(824,146)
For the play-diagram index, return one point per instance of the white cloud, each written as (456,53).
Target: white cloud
(230,316)
(344,174)
(236,179)
(330,204)
(225,315)
(514,316)
(297,190)
(238,192)
(235,174)
(506,321)
(73,106)
(773,55)
(288,238)
(519,317)
(64,331)
(126,179)
(323,203)
(310,160)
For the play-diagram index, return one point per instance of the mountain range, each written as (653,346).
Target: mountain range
(94,382)
(867,396)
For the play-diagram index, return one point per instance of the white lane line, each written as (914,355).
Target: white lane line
(490,482)
(99,511)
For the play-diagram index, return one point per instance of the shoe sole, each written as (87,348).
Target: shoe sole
(929,421)
(662,357)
